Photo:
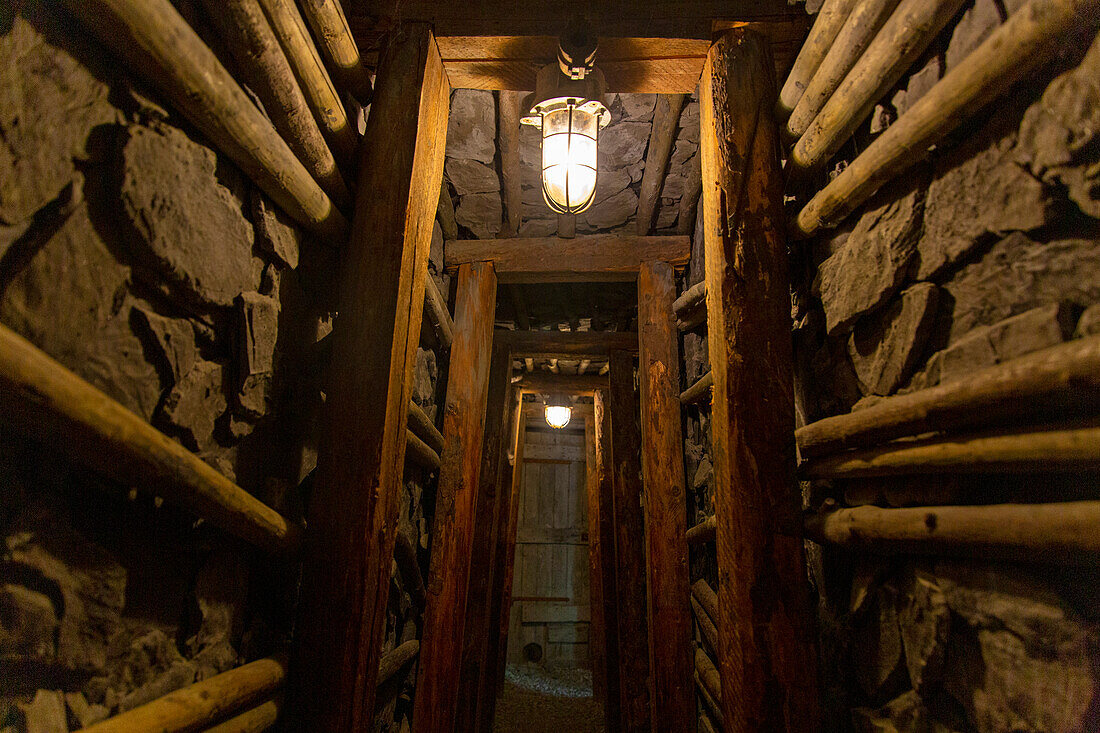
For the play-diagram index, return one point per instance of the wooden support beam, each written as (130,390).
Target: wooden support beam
(630,565)
(445,213)
(672,705)
(598,257)
(597,626)
(438,314)
(1063,380)
(708,674)
(827,25)
(159,45)
(202,704)
(509,111)
(705,624)
(246,31)
(409,566)
(354,505)
(473,695)
(904,37)
(699,390)
(666,120)
(1022,44)
(392,662)
(711,705)
(1038,450)
(420,453)
(424,428)
(510,547)
(330,28)
(44,400)
(703,532)
(1065,532)
(691,307)
(769,680)
(706,597)
(689,202)
(260,718)
(570,383)
(606,527)
(568,344)
(434,708)
(324,100)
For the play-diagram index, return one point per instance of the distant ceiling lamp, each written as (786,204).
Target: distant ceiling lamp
(568,107)
(558,411)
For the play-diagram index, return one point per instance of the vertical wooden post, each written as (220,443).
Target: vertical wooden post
(670,652)
(606,497)
(459,479)
(471,702)
(629,545)
(597,640)
(767,660)
(348,548)
(510,547)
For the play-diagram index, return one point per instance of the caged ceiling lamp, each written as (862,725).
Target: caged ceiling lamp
(559,410)
(568,108)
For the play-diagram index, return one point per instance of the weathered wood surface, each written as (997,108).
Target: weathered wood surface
(324,100)
(248,34)
(159,45)
(438,314)
(691,305)
(826,26)
(1020,46)
(1035,450)
(420,453)
(672,706)
(424,428)
(1067,532)
(571,383)
(703,532)
(472,703)
(445,213)
(706,597)
(708,674)
(605,485)
(41,398)
(204,703)
(597,631)
(630,565)
(509,111)
(333,34)
(705,624)
(699,390)
(711,706)
(434,708)
(404,551)
(666,121)
(903,38)
(354,505)
(769,681)
(569,344)
(510,550)
(1063,380)
(599,257)
(392,662)
(260,718)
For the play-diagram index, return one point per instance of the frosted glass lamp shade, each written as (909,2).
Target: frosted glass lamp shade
(557,416)
(570,137)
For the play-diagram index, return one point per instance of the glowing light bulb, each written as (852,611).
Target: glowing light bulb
(558,416)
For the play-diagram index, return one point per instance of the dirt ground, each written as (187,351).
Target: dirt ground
(539,700)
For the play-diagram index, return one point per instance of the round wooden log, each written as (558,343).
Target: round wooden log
(698,391)
(260,718)
(46,401)
(706,597)
(392,662)
(901,40)
(691,307)
(437,312)
(1066,532)
(420,453)
(1042,450)
(828,23)
(708,700)
(708,674)
(509,111)
(158,44)
(424,428)
(703,532)
(1022,44)
(706,625)
(202,704)
(248,34)
(330,28)
(858,31)
(1061,380)
(315,82)
(405,554)
(666,120)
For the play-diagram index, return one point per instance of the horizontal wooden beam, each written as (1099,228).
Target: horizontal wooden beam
(392,662)
(202,704)
(703,532)
(1061,380)
(596,258)
(420,453)
(568,344)
(698,391)
(1040,450)
(44,400)
(1067,532)
(569,383)
(424,428)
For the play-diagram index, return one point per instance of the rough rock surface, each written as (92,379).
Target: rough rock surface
(613,211)
(885,350)
(424,378)
(1089,322)
(276,234)
(471,176)
(925,620)
(472,127)
(481,213)
(196,402)
(71,301)
(877,637)
(173,338)
(904,714)
(48,111)
(978,193)
(623,144)
(872,263)
(151,669)
(257,332)
(46,713)
(1060,132)
(191,232)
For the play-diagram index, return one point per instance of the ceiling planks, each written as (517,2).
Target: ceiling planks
(568,344)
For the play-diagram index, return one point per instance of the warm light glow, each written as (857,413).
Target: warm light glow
(569,136)
(558,416)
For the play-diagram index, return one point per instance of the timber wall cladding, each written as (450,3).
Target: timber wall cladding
(550,593)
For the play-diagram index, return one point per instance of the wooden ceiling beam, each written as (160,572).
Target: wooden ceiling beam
(570,383)
(595,258)
(568,344)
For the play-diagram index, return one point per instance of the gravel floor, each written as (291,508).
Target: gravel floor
(537,700)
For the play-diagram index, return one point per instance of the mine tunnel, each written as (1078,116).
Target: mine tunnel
(440,367)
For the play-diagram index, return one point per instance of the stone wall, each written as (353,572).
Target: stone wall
(143,260)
